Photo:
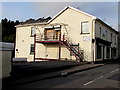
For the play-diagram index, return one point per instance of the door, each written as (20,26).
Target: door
(103,51)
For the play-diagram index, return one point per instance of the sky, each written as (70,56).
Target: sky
(106,11)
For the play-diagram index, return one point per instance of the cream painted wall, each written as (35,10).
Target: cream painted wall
(73,19)
(73,31)
(24,41)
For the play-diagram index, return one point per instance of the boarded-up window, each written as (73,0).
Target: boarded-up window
(49,34)
(57,34)
(84,27)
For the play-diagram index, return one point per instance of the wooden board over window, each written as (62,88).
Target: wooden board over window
(57,33)
(51,34)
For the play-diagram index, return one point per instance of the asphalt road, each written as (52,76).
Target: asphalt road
(107,76)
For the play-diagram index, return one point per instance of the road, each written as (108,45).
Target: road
(107,76)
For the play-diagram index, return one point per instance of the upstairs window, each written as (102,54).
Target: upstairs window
(115,39)
(104,33)
(33,31)
(84,27)
(111,37)
(100,31)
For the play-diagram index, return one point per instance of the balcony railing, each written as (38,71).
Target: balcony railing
(49,37)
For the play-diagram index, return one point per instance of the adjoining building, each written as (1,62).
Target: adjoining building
(70,35)
(119,45)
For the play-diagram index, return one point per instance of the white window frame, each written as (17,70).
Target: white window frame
(32,47)
(82,29)
(33,30)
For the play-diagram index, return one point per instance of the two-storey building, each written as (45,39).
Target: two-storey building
(70,35)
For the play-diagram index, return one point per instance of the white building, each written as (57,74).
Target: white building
(71,34)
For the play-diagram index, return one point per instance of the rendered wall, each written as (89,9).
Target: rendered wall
(73,19)
(24,41)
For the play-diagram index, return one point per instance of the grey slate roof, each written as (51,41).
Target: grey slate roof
(40,20)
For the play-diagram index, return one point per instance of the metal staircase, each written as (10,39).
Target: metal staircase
(72,48)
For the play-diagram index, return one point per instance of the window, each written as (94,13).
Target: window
(33,31)
(84,27)
(100,31)
(108,52)
(107,33)
(111,37)
(103,32)
(32,49)
(115,39)
(99,50)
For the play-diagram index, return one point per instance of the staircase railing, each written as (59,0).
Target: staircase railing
(70,46)
(73,48)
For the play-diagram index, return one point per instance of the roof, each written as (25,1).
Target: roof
(34,22)
(93,17)
(45,22)
(99,20)
(21,25)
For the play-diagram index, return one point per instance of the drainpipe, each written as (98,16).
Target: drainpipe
(34,46)
(93,40)
(59,46)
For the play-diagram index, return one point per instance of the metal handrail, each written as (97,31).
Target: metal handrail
(65,39)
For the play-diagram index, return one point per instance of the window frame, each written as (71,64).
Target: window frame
(82,27)
(100,31)
(111,37)
(115,39)
(32,50)
(34,31)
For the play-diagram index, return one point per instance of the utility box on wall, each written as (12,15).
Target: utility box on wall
(6,56)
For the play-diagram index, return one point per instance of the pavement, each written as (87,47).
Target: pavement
(25,73)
